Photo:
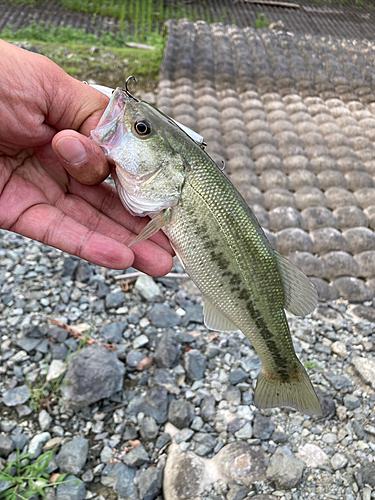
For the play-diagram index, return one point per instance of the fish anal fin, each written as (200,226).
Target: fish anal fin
(300,294)
(216,320)
(152,227)
(297,392)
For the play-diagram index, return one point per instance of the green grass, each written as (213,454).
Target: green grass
(27,477)
(312,365)
(262,21)
(109,65)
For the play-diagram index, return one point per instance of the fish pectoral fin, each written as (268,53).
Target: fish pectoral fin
(215,320)
(296,392)
(152,227)
(300,294)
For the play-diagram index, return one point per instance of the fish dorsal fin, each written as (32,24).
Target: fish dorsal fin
(215,320)
(300,294)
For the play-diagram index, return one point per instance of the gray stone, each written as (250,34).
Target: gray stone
(112,333)
(183,435)
(237,376)
(245,432)
(208,409)
(167,380)
(154,405)
(83,271)
(233,396)
(195,364)
(167,351)
(37,442)
(106,454)
(73,455)
(162,316)
(120,477)
(69,266)
(136,457)
(366,369)
(162,440)
(194,314)
(114,299)
(180,413)
(237,493)
(338,461)
(20,441)
(133,358)
(71,489)
(368,474)
(205,443)
(140,341)
(351,402)
(45,420)
(16,396)
(285,470)
(6,445)
(338,381)
(147,287)
(312,455)
(149,428)
(279,437)
(95,373)
(149,483)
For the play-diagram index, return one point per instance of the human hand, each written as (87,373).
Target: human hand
(49,168)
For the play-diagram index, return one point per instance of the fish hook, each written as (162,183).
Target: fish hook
(126,90)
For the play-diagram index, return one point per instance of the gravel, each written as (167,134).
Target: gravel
(130,421)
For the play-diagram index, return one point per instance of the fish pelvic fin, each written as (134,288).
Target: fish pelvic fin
(297,392)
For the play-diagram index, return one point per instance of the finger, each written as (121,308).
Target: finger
(52,226)
(149,257)
(105,199)
(81,157)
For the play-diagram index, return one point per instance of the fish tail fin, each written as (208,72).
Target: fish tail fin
(297,392)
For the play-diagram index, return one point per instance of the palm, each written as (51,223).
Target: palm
(39,199)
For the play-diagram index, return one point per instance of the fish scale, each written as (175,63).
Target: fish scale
(246,284)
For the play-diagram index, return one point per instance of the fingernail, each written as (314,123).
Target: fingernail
(71,149)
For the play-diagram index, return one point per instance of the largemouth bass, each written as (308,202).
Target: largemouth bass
(161,172)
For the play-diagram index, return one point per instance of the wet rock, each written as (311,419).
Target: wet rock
(312,455)
(147,287)
(71,489)
(285,470)
(149,483)
(95,373)
(16,396)
(180,413)
(120,477)
(112,333)
(136,457)
(366,369)
(195,364)
(162,316)
(73,455)
(208,409)
(167,351)
(263,427)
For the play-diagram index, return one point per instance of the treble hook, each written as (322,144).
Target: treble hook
(126,90)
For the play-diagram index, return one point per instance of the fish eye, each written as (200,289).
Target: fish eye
(142,127)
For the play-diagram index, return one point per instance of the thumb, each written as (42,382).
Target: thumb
(81,157)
